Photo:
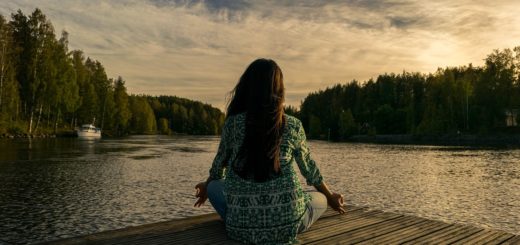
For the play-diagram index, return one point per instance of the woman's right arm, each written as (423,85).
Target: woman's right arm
(223,153)
(217,167)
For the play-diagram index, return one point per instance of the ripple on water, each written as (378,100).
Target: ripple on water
(65,188)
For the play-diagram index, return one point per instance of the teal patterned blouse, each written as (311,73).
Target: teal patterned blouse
(265,212)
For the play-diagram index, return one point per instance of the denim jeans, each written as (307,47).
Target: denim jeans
(313,210)
(216,197)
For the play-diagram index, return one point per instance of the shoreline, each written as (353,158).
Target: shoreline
(38,135)
(446,140)
(72,134)
(401,139)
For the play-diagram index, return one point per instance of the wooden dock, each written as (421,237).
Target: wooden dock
(358,226)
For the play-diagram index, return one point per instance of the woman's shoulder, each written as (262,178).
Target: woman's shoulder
(293,122)
(234,118)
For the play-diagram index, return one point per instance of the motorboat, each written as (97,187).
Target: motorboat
(88,131)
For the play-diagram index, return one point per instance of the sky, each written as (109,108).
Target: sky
(198,49)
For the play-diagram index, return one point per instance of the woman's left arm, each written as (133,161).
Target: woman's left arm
(335,200)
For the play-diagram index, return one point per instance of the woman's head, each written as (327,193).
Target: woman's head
(260,93)
(261,85)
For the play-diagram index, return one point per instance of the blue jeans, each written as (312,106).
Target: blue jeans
(313,210)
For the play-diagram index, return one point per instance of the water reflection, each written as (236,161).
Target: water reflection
(53,188)
(469,185)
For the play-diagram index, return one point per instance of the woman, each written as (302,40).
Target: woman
(252,183)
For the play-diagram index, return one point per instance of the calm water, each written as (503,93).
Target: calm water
(55,188)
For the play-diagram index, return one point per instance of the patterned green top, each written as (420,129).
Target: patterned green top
(267,212)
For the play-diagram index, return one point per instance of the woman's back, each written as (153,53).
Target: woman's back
(270,211)
(252,183)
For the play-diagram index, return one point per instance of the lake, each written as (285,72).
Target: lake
(64,187)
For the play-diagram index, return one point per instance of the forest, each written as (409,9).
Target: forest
(46,88)
(451,101)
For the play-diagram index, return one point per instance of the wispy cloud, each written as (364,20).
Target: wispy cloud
(198,49)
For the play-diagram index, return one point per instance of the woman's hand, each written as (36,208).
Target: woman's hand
(202,194)
(335,201)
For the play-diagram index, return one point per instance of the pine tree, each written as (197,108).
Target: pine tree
(122,112)
(9,97)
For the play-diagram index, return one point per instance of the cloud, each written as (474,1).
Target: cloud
(198,49)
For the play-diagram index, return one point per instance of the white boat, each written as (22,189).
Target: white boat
(88,131)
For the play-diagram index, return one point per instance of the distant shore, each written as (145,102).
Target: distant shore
(401,139)
(63,134)
(451,140)
(70,134)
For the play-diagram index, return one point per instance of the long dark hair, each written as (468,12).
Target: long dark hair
(260,93)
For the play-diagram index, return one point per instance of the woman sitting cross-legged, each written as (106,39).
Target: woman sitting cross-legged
(252,184)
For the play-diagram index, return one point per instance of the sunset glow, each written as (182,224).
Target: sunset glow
(198,49)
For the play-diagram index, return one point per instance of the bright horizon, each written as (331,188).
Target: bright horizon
(199,49)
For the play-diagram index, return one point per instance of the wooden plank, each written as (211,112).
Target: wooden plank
(199,235)
(228,242)
(216,229)
(212,238)
(497,238)
(408,233)
(358,225)
(474,237)
(382,228)
(469,232)
(485,237)
(342,227)
(173,239)
(455,236)
(374,230)
(340,219)
(512,241)
(137,231)
(190,234)
(194,235)
(196,239)
(503,238)
(319,232)
(435,236)
(343,218)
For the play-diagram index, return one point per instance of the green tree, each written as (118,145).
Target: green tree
(35,37)
(43,70)
(63,91)
(183,119)
(23,45)
(291,110)
(81,80)
(163,126)
(122,112)
(9,97)
(383,119)
(213,127)
(314,127)
(143,119)
(347,125)
(43,85)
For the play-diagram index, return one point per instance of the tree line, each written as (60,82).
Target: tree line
(451,101)
(44,88)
